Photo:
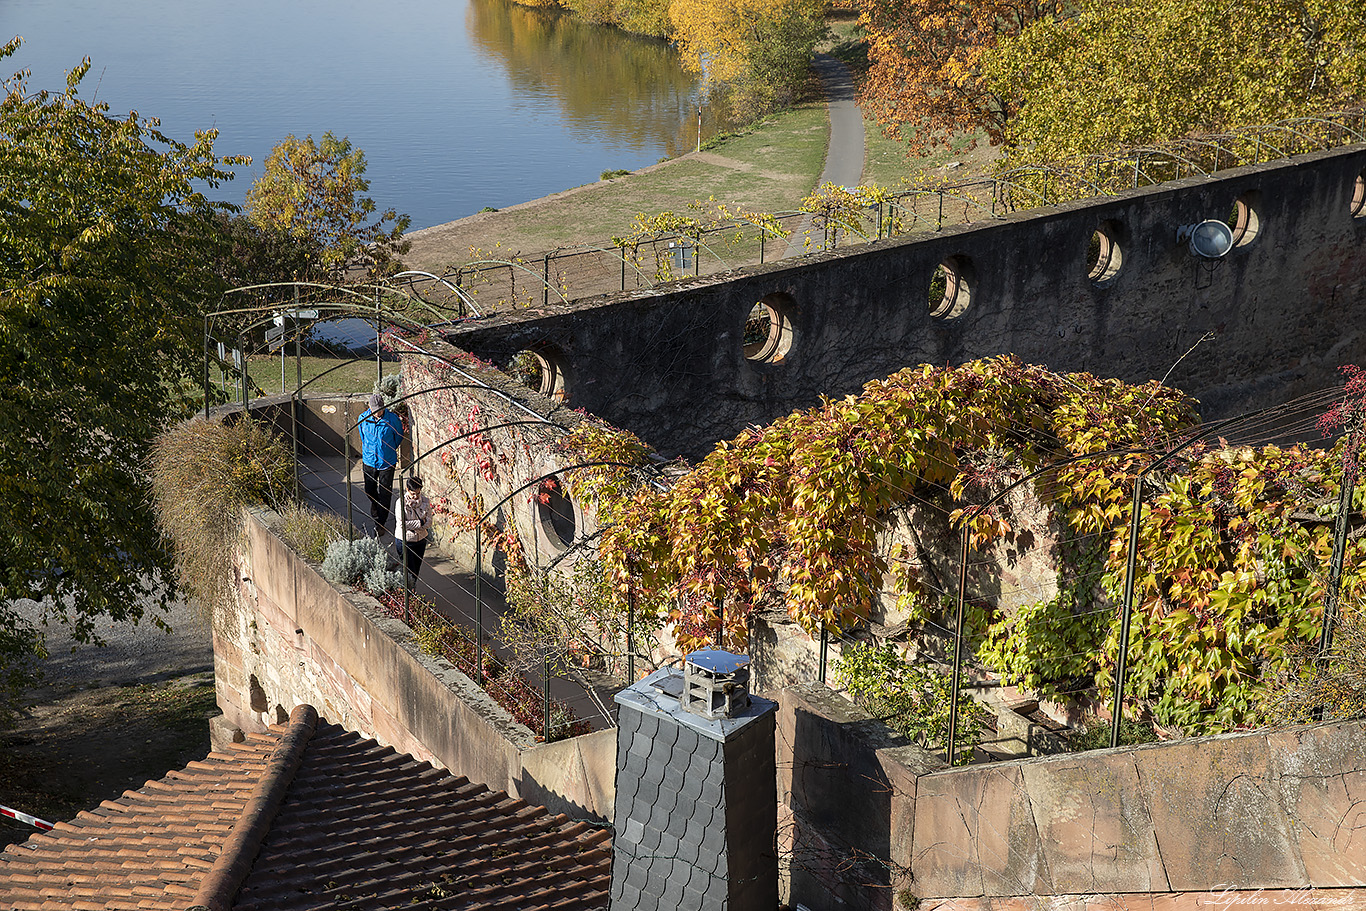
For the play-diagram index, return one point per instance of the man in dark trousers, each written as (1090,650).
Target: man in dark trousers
(381,433)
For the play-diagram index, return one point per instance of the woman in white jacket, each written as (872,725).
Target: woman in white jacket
(414,513)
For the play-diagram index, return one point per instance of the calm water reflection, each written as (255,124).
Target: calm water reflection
(458,104)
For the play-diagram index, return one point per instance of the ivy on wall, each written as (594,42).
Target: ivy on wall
(1233,548)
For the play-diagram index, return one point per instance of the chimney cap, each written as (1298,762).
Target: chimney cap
(717,661)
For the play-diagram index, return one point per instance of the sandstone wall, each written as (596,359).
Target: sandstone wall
(669,364)
(869,816)
(292,637)
(478,437)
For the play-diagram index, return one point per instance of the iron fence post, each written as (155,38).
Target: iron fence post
(545,695)
(1330,601)
(245,373)
(206,367)
(958,643)
(630,636)
(478,604)
(825,648)
(545,277)
(346,468)
(1130,565)
(296,403)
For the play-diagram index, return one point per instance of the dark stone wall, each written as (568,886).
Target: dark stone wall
(1283,309)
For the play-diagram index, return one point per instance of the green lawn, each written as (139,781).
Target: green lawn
(768,167)
(357,376)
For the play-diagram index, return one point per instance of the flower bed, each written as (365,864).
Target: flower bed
(438,636)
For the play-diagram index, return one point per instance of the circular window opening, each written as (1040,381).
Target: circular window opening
(767,336)
(1243,219)
(951,288)
(1103,254)
(539,369)
(555,513)
(1359,196)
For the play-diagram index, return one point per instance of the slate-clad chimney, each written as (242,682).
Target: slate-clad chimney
(696,801)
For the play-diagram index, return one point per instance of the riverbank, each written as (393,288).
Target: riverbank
(767,167)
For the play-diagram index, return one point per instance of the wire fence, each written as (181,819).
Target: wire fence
(978,579)
(571,273)
(457,615)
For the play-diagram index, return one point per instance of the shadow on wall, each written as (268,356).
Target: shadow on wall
(829,818)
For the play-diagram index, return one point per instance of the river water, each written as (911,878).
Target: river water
(458,104)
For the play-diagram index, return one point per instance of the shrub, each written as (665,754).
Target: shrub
(614,172)
(1331,689)
(912,699)
(379,578)
(349,562)
(1095,735)
(204,473)
(310,532)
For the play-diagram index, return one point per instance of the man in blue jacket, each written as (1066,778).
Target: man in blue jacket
(381,433)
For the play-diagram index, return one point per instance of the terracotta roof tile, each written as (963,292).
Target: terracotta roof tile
(354,825)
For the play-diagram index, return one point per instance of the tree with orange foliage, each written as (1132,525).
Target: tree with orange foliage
(925,81)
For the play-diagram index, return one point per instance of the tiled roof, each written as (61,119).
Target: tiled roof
(310,816)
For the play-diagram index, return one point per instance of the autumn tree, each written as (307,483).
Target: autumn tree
(758,51)
(925,80)
(314,192)
(1120,74)
(106,245)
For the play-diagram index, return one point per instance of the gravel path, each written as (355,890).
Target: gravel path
(132,653)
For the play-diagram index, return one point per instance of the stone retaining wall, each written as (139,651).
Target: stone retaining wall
(871,818)
(1283,308)
(292,637)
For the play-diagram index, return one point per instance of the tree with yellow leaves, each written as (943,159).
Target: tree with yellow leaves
(758,51)
(1120,74)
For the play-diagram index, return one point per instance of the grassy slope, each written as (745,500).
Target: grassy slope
(768,167)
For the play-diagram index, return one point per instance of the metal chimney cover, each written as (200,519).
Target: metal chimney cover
(717,661)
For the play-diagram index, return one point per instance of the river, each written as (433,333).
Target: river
(458,104)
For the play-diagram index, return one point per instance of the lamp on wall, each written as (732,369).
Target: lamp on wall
(1210,239)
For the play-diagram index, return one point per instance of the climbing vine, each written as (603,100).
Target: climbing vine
(723,228)
(1233,542)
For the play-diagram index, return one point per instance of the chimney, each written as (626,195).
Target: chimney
(696,801)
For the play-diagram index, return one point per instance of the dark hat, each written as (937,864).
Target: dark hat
(414,483)
(376,402)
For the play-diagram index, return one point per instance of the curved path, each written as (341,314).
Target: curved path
(844,155)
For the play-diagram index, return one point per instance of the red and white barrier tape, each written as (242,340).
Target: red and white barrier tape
(34,821)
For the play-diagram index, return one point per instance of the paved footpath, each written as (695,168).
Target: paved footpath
(844,155)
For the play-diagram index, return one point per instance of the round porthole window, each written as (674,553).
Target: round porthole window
(951,288)
(767,336)
(1104,255)
(1244,220)
(540,369)
(555,514)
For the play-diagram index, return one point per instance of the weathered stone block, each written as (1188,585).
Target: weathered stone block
(975,835)
(1094,831)
(1216,807)
(1322,777)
